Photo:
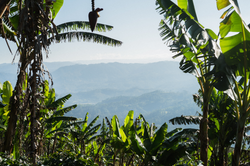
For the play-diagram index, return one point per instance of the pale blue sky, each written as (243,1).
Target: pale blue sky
(135,24)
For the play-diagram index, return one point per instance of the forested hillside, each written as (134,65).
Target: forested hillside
(157,107)
(156,90)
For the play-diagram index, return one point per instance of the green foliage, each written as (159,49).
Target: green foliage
(5,93)
(56,7)
(186,120)
(67,158)
(214,66)
(148,145)
(8,160)
(157,107)
(75,25)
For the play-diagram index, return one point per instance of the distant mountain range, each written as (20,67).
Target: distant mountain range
(74,78)
(159,90)
(9,71)
(153,76)
(157,107)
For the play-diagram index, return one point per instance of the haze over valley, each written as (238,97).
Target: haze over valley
(159,90)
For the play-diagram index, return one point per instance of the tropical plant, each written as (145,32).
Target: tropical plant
(222,125)
(199,51)
(67,158)
(9,160)
(38,16)
(236,50)
(138,143)
(226,69)
(83,133)
(53,120)
(5,93)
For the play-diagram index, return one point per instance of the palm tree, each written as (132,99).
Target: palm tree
(219,67)
(199,51)
(236,51)
(222,125)
(33,30)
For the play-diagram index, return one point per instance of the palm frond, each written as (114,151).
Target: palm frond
(186,120)
(10,34)
(182,135)
(59,118)
(198,99)
(92,131)
(76,25)
(58,102)
(171,133)
(200,53)
(91,124)
(171,156)
(85,36)
(92,139)
(61,112)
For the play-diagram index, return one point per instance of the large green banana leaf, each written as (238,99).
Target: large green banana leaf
(197,46)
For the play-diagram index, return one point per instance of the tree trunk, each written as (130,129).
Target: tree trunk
(239,137)
(204,132)
(54,144)
(10,132)
(221,155)
(226,156)
(14,108)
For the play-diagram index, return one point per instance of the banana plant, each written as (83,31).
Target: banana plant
(222,125)
(84,133)
(236,51)
(14,28)
(201,55)
(5,92)
(162,147)
(53,119)
(120,140)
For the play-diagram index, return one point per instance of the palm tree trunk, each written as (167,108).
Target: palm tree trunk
(226,156)
(130,160)
(14,106)
(204,132)
(114,159)
(54,144)
(239,138)
(11,129)
(221,155)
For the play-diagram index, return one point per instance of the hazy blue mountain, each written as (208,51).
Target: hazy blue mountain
(8,71)
(157,107)
(159,90)
(69,77)
(52,66)
(154,76)
(98,95)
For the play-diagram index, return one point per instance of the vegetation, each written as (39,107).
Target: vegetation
(69,141)
(35,130)
(223,65)
(30,25)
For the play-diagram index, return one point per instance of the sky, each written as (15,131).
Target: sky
(135,23)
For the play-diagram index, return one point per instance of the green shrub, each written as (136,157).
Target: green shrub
(8,160)
(67,159)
